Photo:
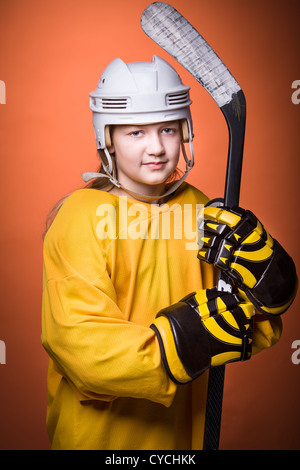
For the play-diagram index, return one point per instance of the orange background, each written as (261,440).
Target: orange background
(51,56)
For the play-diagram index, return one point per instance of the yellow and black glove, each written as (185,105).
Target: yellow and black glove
(236,242)
(207,328)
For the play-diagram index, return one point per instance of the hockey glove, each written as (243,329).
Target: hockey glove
(236,242)
(206,328)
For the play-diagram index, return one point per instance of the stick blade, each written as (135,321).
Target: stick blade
(171,31)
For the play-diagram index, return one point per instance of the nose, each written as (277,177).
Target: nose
(155,144)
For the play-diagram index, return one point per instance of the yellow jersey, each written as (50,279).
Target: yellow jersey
(110,264)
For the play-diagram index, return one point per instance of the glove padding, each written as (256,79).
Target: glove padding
(206,328)
(236,242)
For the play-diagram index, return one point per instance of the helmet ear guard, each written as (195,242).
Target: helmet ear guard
(185,132)
(107,136)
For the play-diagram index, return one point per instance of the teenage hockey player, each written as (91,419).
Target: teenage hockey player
(131,318)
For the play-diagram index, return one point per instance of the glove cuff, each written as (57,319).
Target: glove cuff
(277,288)
(171,360)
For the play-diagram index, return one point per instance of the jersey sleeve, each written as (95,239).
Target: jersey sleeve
(92,345)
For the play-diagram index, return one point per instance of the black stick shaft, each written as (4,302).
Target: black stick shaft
(235,115)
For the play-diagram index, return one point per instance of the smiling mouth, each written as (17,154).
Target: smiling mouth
(155,165)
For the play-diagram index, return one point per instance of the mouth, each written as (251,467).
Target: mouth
(155,165)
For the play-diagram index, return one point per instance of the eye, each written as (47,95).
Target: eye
(169,130)
(136,133)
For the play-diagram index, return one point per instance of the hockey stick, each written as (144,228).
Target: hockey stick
(170,30)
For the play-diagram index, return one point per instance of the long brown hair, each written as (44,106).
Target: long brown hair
(102,184)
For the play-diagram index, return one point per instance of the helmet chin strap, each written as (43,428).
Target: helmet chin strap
(111,176)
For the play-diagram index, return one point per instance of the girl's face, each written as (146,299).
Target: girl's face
(146,155)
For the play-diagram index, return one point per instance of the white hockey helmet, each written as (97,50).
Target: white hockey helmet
(139,93)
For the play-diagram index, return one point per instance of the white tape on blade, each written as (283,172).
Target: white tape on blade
(170,30)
